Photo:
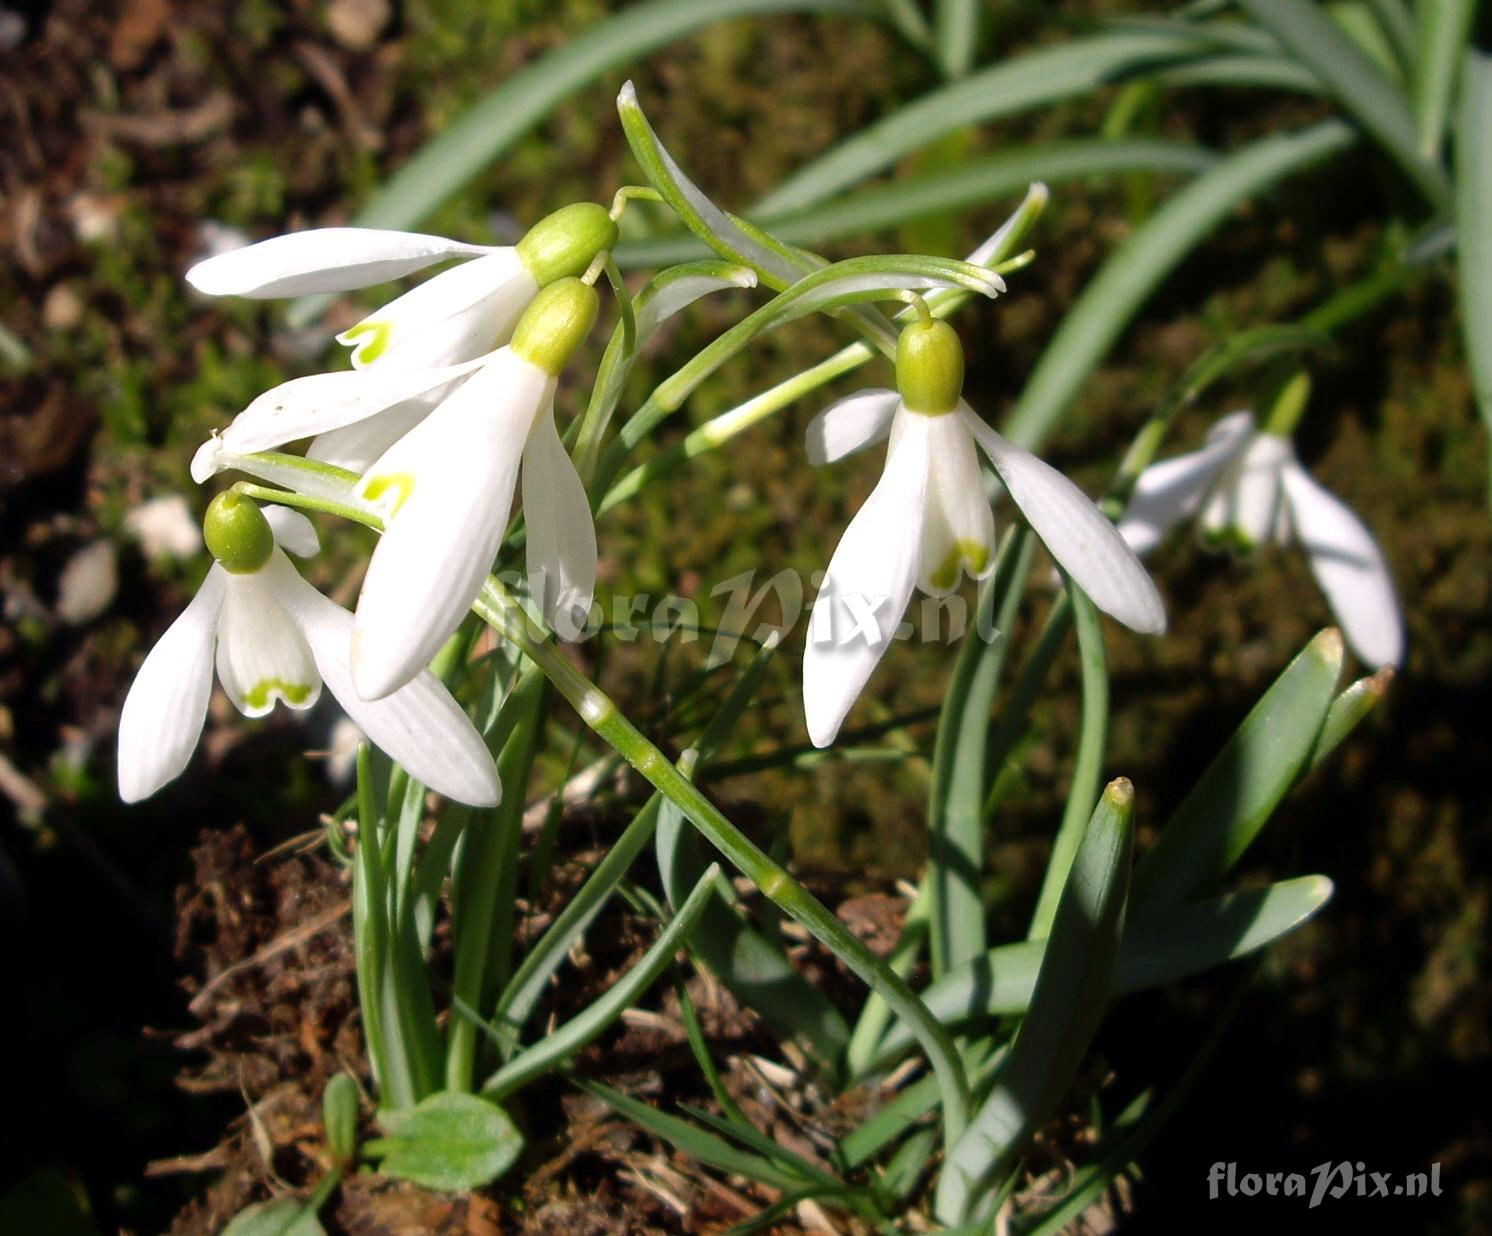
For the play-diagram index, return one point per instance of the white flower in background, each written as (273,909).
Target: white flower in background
(457,316)
(1250,490)
(928,521)
(445,490)
(273,637)
(165,528)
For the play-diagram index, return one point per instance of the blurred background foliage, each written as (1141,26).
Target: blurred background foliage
(140,133)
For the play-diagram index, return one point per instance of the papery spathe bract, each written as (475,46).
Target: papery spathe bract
(1248,489)
(273,637)
(928,522)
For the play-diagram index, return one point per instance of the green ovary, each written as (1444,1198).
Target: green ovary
(965,553)
(263,691)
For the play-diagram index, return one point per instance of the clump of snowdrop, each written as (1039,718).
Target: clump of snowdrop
(1247,489)
(928,521)
(273,638)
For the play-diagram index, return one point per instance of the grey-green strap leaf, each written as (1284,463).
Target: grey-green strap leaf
(1474,222)
(1362,89)
(1072,989)
(284,1216)
(1243,785)
(1444,27)
(1116,293)
(1172,946)
(1007,88)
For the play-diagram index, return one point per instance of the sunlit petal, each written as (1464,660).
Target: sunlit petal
(167,703)
(852,424)
(327,259)
(1083,543)
(958,529)
(261,654)
(459,314)
(561,549)
(1349,566)
(293,531)
(446,489)
(866,588)
(1169,492)
(419,726)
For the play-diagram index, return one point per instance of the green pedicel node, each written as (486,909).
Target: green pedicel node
(237,534)
(555,324)
(929,368)
(564,244)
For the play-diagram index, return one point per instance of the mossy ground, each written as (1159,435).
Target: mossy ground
(1365,1037)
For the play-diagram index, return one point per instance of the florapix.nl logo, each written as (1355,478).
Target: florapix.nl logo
(1325,1182)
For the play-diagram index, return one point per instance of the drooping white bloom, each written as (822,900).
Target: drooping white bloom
(457,316)
(272,636)
(445,490)
(1249,489)
(928,521)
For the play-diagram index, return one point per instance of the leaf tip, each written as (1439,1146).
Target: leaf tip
(1328,647)
(1120,793)
(627,96)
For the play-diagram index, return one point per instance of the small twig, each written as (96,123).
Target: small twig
(281,944)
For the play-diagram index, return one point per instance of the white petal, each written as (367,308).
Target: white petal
(304,407)
(420,726)
(868,584)
(1035,199)
(1250,500)
(326,259)
(459,314)
(167,703)
(448,485)
(356,446)
(1169,492)
(958,526)
(561,547)
(1349,566)
(852,424)
(1084,544)
(293,531)
(666,295)
(261,654)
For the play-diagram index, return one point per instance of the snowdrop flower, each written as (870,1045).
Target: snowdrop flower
(1250,490)
(928,521)
(445,490)
(454,317)
(274,637)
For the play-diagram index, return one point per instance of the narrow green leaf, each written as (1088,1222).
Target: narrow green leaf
(1246,69)
(1348,711)
(1238,793)
(955,903)
(448,1142)
(569,1038)
(970,183)
(956,35)
(1362,89)
(472,142)
(1072,990)
(1007,88)
(1087,767)
(1116,293)
(1474,222)
(1173,945)
(1444,27)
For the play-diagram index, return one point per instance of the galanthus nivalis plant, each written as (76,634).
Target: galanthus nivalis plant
(447,415)
(928,521)
(274,637)
(1248,489)
(456,316)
